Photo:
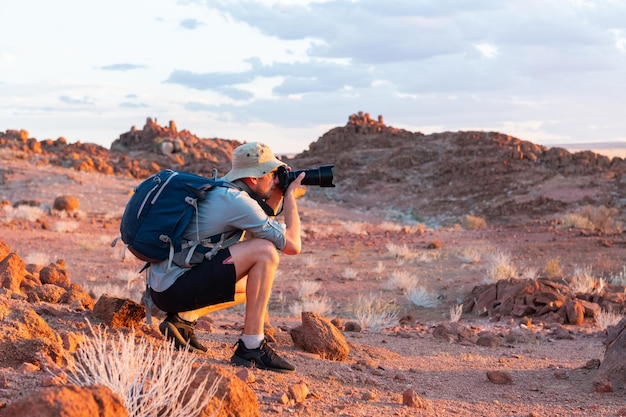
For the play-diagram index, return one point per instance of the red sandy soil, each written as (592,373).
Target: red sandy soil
(550,376)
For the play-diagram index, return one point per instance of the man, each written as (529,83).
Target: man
(246,267)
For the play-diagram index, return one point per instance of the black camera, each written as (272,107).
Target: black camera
(322,176)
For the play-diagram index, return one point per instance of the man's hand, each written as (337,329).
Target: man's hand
(296,188)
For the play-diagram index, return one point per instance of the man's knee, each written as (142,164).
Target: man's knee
(258,250)
(267,251)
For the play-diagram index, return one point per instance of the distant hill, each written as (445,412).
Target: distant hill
(442,176)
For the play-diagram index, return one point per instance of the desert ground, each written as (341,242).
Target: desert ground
(348,258)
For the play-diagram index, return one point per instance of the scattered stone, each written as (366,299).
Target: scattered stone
(119,312)
(246,375)
(55,274)
(352,326)
(369,396)
(233,397)
(411,399)
(298,392)
(488,340)
(318,335)
(499,377)
(66,203)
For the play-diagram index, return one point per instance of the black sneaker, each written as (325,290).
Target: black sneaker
(262,357)
(181,332)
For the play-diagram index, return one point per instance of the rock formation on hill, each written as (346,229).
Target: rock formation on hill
(137,153)
(441,175)
(450,174)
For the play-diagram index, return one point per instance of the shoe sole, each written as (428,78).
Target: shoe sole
(253,364)
(171,333)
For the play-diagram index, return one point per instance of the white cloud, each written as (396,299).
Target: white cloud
(284,70)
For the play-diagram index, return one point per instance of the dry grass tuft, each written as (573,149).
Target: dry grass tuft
(421,297)
(373,313)
(470,222)
(606,319)
(552,268)
(584,282)
(150,381)
(500,266)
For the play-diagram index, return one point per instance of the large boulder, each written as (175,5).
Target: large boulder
(612,373)
(68,401)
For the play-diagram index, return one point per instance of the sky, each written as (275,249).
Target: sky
(285,72)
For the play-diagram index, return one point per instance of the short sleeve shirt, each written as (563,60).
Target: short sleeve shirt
(224,210)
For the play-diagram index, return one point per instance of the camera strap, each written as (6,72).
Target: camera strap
(266,208)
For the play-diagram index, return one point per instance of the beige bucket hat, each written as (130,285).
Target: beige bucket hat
(254,159)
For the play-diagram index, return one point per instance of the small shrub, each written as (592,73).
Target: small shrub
(30,213)
(401,280)
(354,252)
(422,298)
(529,273)
(320,305)
(606,319)
(474,223)
(388,226)
(584,282)
(552,268)
(500,266)
(619,278)
(355,228)
(380,268)
(307,288)
(603,218)
(373,313)
(65,226)
(455,313)
(37,258)
(398,251)
(591,217)
(576,221)
(350,274)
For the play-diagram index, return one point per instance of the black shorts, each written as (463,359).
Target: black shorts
(212,282)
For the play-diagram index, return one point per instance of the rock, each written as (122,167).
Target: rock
(66,203)
(318,335)
(499,377)
(411,399)
(12,271)
(352,326)
(488,340)
(119,312)
(233,397)
(68,401)
(575,312)
(4,250)
(54,274)
(26,335)
(298,392)
(77,298)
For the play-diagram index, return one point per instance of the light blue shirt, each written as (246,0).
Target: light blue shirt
(224,210)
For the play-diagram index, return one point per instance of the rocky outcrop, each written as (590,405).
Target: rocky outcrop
(137,153)
(547,300)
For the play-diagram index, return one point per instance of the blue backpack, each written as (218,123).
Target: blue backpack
(158,213)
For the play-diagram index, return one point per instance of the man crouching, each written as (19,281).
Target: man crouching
(248,205)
